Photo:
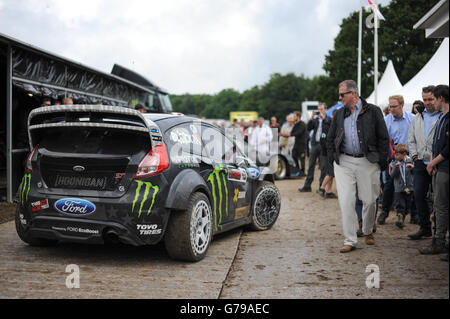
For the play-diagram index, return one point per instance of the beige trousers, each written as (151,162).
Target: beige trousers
(350,172)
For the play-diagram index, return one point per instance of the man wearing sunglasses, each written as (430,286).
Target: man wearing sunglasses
(358,143)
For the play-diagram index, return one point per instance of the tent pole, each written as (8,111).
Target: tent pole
(376,56)
(359,47)
(9,190)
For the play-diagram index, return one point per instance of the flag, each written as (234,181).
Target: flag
(374,7)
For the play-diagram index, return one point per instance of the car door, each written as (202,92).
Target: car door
(227,181)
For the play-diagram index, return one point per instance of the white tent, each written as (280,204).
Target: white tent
(433,73)
(388,84)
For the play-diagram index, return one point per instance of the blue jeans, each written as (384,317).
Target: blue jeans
(422,181)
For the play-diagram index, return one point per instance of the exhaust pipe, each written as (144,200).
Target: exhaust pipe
(111,236)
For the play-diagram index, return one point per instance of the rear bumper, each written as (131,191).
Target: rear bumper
(81,230)
(137,218)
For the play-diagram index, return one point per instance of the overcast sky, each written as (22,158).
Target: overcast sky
(184,46)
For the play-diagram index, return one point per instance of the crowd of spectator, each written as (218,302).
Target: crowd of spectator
(394,159)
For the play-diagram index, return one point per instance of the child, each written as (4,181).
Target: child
(400,170)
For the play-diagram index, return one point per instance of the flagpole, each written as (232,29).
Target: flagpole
(375,48)
(359,47)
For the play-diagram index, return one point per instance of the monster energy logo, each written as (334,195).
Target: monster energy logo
(218,176)
(25,188)
(148,186)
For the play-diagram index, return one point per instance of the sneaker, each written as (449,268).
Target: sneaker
(305,189)
(300,174)
(382,217)
(421,233)
(400,223)
(321,192)
(330,195)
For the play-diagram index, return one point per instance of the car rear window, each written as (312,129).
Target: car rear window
(94,140)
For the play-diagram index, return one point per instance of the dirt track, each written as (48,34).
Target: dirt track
(298,258)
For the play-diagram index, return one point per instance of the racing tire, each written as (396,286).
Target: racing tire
(266,207)
(281,171)
(189,232)
(25,236)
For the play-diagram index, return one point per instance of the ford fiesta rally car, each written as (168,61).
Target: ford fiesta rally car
(111,174)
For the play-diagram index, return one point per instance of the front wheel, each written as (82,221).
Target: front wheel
(189,232)
(266,207)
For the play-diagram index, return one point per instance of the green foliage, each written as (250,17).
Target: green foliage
(190,104)
(397,41)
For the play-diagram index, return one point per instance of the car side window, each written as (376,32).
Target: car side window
(184,142)
(217,146)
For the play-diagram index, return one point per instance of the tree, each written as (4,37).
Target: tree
(397,41)
(222,104)
(189,104)
(407,48)
(250,99)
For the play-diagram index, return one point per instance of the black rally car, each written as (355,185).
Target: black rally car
(102,173)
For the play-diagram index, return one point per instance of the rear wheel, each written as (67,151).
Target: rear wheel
(281,168)
(266,207)
(189,232)
(24,235)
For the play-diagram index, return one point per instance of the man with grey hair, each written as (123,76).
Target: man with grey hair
(358,143)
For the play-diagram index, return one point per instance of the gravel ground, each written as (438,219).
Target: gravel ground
(298,258)
(7,212)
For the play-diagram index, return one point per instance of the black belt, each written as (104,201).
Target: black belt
(354,155)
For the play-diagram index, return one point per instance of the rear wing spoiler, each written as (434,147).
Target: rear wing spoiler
(95,116)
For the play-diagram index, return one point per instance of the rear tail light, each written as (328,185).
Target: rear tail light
(154,162)
(28,166)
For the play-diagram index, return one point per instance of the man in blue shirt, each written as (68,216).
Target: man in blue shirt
(438,168)
(357,143)
(420,141)
(397,122)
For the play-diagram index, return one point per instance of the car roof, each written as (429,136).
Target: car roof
(165,121)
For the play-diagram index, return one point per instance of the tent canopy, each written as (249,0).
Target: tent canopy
(388,84)
(435,72)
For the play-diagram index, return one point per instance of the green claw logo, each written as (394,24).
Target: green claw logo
(25,188)
(148,185)
(215,175)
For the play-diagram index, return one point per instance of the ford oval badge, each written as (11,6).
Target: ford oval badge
(78,168)
(253,173)
(74,206)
